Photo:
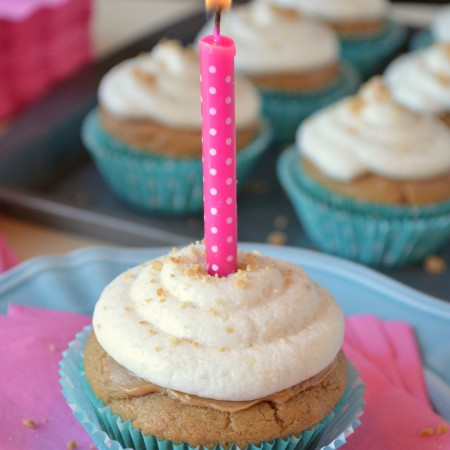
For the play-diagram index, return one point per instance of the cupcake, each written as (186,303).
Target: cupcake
(421,80)
(294,62)
(439,30)
(179,357)
(368,37)
(370,179)
(145,136)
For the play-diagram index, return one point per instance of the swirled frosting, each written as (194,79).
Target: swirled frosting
(164,86)
(372,133)
(340,10)
(421,80)
(258,331)
(440,27)
(271,40)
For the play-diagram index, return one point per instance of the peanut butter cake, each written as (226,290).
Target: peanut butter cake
(193,358)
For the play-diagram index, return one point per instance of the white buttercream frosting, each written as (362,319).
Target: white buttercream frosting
(263,329)
(163,85)
(272,40)
(421,80)
(440,27)
(371,132)
(340,10)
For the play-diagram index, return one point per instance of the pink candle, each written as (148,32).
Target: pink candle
(219,151)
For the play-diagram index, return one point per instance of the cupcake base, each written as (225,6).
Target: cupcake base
(371,53)
(109,432)
(154,183)
(285,110)
(370,233)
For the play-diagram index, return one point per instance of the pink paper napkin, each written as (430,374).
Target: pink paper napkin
(7,257)
(397,408)
(385,354)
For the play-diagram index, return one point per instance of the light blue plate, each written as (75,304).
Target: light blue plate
(73,283)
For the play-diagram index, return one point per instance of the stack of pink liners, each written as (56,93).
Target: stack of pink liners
(41,42)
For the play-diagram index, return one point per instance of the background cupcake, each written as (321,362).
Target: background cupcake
(145,137)
(368,37)
(439,30)
(370,179)
(294,61)
(195,359)
(421,80)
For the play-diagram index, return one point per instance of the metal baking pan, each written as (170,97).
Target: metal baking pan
(46,176)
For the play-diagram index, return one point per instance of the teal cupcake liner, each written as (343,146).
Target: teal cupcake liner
(421,39)
(154,183)
(110,432)
(373,234)
(285,110)
(370,54)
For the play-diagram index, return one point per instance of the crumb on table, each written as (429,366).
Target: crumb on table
(29,423)
(71,445)
(435,265)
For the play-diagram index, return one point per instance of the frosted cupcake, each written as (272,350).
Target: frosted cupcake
(368,37)
(294,61)
(145,136)
(180,357)
(439,30)
(370,179)
(421,80)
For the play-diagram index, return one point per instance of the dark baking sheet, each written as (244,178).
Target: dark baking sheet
(46,176)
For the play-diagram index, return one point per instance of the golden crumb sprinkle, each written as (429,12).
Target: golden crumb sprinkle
(222,349)
(213,312)
(71,445)
(163,300)
(195,344)
(29,423)
(172,275)
(157,265)
(175,259)
(157,348)
(128,308)
(174,249)
(282,341)
(160,292)
(52,347)
(427,431)
(151,332)
(240,283)
(435,265)
(143,322)
(148,300)
(143,77)
(277,238)
(355,105)
(442,428)
(174,340)
(229,330)
(152,281)
(185,305)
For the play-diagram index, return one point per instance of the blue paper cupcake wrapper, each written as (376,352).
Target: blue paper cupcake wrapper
(110,432)
(421,39)
(374,234)
(370,54)
(285,110)
(154,183)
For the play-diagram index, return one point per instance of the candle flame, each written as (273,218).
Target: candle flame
(214,5)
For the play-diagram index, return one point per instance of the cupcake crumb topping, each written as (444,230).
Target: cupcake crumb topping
(29,423)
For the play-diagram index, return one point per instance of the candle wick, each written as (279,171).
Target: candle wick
(217,23)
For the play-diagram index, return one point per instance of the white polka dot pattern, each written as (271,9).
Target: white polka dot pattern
(219,153)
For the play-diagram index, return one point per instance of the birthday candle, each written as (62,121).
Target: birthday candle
(219,149)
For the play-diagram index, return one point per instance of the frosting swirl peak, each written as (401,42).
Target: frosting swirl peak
(256,332)
(371,132)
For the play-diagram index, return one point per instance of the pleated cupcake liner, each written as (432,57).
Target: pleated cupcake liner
(154,183)
(110,432)
(371,54)
(285,110)
(373,234)
(421,39)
